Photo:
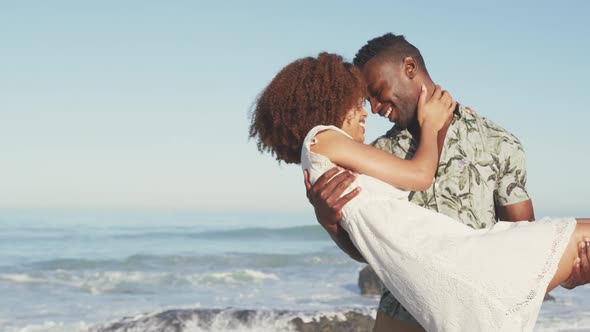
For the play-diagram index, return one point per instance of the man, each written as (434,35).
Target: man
(481,175)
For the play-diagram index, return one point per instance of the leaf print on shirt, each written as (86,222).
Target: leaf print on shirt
(473,166)
(519,182)
(423,199)
(470,179)
(457,203)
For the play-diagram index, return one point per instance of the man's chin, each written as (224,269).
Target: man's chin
(406,123)
(401,124)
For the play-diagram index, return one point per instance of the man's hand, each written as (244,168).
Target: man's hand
(581,271)
(326,195)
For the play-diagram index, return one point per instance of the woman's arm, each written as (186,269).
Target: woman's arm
(415,174)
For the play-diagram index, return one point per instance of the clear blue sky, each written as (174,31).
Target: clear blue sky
(140,104)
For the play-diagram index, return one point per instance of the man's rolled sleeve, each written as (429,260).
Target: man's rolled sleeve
(512,178)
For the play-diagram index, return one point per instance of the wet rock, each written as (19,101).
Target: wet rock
(369,282)
(182,320)
(354,322)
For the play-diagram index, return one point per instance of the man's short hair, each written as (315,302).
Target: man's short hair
(392,47)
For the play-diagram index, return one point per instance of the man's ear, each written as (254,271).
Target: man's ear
(410,67)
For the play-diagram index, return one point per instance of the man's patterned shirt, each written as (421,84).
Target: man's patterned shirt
(481,166)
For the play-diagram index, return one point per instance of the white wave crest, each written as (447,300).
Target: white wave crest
(49,326)
(100,282)
(19,278)
(235,277)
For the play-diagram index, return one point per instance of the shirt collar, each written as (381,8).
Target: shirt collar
(458,113)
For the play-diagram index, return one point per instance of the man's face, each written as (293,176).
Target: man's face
(392,93)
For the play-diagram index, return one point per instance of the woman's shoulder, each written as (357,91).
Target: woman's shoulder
(327,137)
(323,140)
(323,134)
(313,159)
(324,128)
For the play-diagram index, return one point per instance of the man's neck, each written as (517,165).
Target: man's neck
(414,129)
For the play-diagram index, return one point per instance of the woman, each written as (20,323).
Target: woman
(311,113)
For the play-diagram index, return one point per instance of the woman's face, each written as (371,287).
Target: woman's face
(354,122)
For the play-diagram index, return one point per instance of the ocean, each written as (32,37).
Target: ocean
(86,270)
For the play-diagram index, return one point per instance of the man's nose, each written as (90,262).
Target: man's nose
(375,105)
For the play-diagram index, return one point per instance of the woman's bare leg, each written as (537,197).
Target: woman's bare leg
(570,254)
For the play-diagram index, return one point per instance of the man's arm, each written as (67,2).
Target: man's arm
(520,211)
(513,204)
(326,197)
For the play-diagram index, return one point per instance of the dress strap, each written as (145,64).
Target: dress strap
(310,140)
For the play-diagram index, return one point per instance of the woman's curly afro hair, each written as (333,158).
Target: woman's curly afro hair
(306,93)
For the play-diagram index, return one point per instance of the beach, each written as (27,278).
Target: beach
(92,270)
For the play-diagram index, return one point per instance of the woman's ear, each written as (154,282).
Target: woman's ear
(347,121)
(348,117)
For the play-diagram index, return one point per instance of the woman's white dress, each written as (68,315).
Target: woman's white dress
(449,276)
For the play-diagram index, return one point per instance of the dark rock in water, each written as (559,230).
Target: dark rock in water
(549,297)
(176,320)
(354,322)
(238,320)
(369,282)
